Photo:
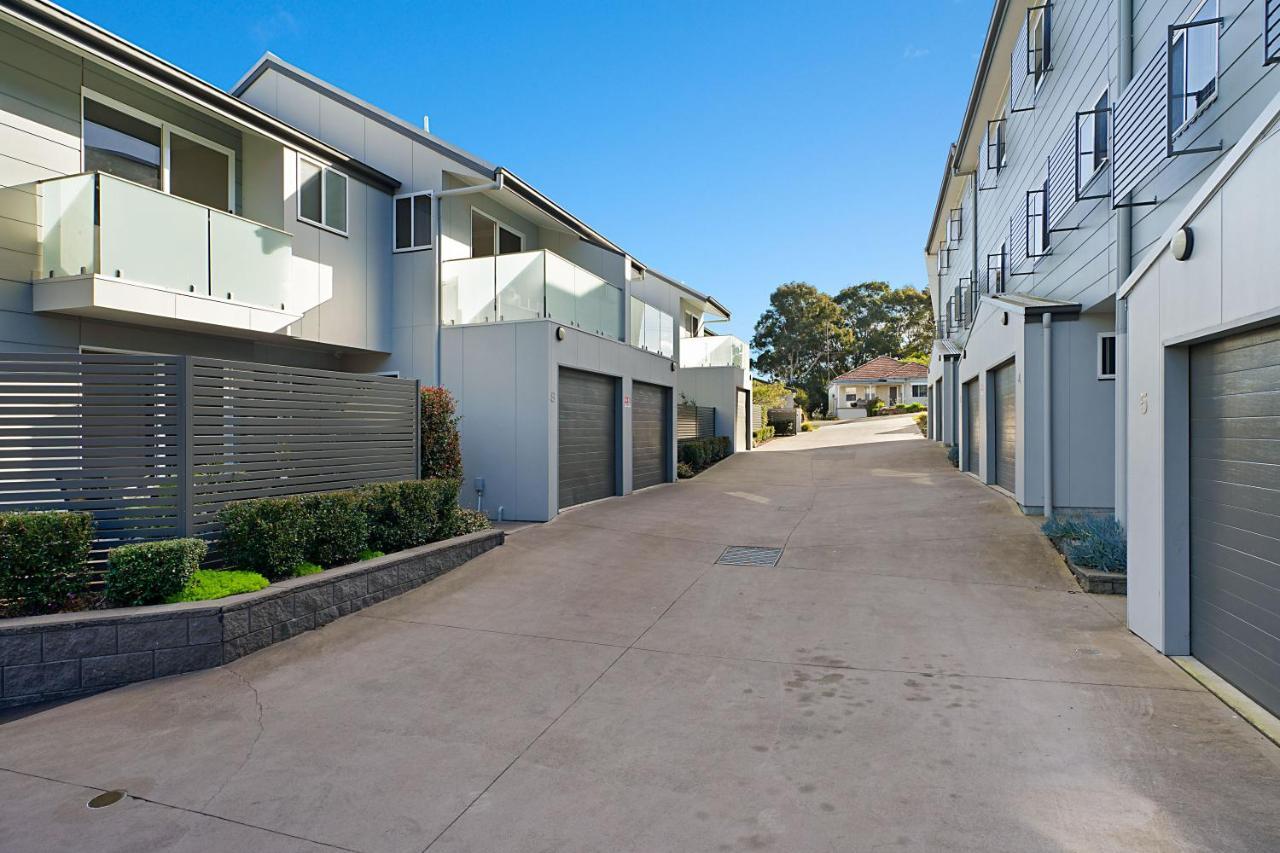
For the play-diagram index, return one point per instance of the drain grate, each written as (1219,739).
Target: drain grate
(746,555)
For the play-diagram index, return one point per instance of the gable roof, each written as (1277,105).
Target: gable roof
(884,369)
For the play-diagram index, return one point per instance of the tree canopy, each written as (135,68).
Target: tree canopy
(806,338)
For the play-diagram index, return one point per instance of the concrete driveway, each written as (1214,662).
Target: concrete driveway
(598,684)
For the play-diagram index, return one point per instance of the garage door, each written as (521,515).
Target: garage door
(972,426)
(650,419)
(588,437)
(1005,428)
(1235,511)
(742,420)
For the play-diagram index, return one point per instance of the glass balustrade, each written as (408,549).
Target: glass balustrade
(149,237)
(529,286)
(652,329)
(713,351)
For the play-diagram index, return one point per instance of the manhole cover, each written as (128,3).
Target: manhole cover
(106,798)
(743,555)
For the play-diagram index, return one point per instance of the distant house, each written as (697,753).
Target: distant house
(884,378)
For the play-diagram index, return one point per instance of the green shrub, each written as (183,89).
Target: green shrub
(698,453)
(370,554)
(922,421)
(763,434)
(911,407)
(150,572)
(441,446)
(43,559)
(303,569)
(683,471)
(1060,527)
(469,521)
(874,405)
(337,527)
(807,426)
(953,454)
(207,584)
(1099,545)
(267,535)
(410,513)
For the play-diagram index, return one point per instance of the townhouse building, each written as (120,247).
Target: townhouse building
(1107,335)
(290,223)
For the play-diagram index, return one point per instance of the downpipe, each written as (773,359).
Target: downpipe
(1046,323)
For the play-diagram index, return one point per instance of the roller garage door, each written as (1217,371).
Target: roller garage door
(1235,511)
(588,436)
(1004,431)
(742,420)
(650,431)
(972,426)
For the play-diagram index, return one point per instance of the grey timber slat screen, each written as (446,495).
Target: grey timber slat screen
(155,446)
(1140,128)
(94,433)
(1062,177)
(1271,32)
(694,421)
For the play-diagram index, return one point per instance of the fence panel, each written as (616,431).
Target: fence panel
(259,430)
(94,433)
(693,421)
(155,446)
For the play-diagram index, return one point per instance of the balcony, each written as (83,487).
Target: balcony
(713,351)
(112,248)
(529,286)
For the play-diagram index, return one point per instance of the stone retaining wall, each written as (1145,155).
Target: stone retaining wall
(74,654)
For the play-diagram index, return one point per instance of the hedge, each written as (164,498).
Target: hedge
(700,453)
(266,535)
(43,559)
(408,514)
(337,527)
(151,572)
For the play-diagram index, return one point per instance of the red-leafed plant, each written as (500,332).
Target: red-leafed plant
(441,447)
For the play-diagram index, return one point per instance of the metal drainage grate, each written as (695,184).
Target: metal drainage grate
(746,555)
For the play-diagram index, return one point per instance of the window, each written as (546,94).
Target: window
(995,145)
(322,196)
(412,222)
(1094,143)
(1038,44)
(919,390)
(690,327)
(850,397)
(1193,66)
(955,225)
(995,271)
(121,144)
(1037,222)
(1107,355)
(490,237)
(127,143)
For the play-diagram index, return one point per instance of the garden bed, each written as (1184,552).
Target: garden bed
(1093,580)
(73,654)
(1094,549)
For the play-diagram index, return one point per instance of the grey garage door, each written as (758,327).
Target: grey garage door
(1235,511)
(650,431)
(588,437)
(972,426)
(742,420)
(1005,428)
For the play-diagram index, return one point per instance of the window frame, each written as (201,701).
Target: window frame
(167,131)
(1115,355)
(1090,121)
(496,237)
(1189,118)
(1039,64)
(915,385)
(1043,242)
(955,225)
(412,216)
(325,171)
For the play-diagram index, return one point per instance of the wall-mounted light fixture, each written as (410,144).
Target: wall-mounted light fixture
(559,333)
(1183,243)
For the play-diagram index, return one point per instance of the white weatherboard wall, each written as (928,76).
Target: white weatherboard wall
(504,376)
(1228,284)
(716,387)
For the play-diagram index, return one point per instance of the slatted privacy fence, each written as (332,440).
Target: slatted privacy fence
(694,421)
(155,446)
(1140,127)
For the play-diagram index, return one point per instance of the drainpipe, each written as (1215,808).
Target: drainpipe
(1046,323)
(495,184)
(1124,266)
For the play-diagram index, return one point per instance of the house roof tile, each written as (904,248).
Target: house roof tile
(884,368)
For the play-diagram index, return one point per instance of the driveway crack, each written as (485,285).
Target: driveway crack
(253,744)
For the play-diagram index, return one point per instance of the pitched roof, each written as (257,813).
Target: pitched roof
(884,369)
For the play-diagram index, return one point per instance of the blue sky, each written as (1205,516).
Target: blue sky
(732,145)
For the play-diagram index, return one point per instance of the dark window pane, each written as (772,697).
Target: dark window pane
(199,173)
(482,235)
(309,190)
(335,201)
(404,223)
(422,220)
(509,242)
(119,144)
